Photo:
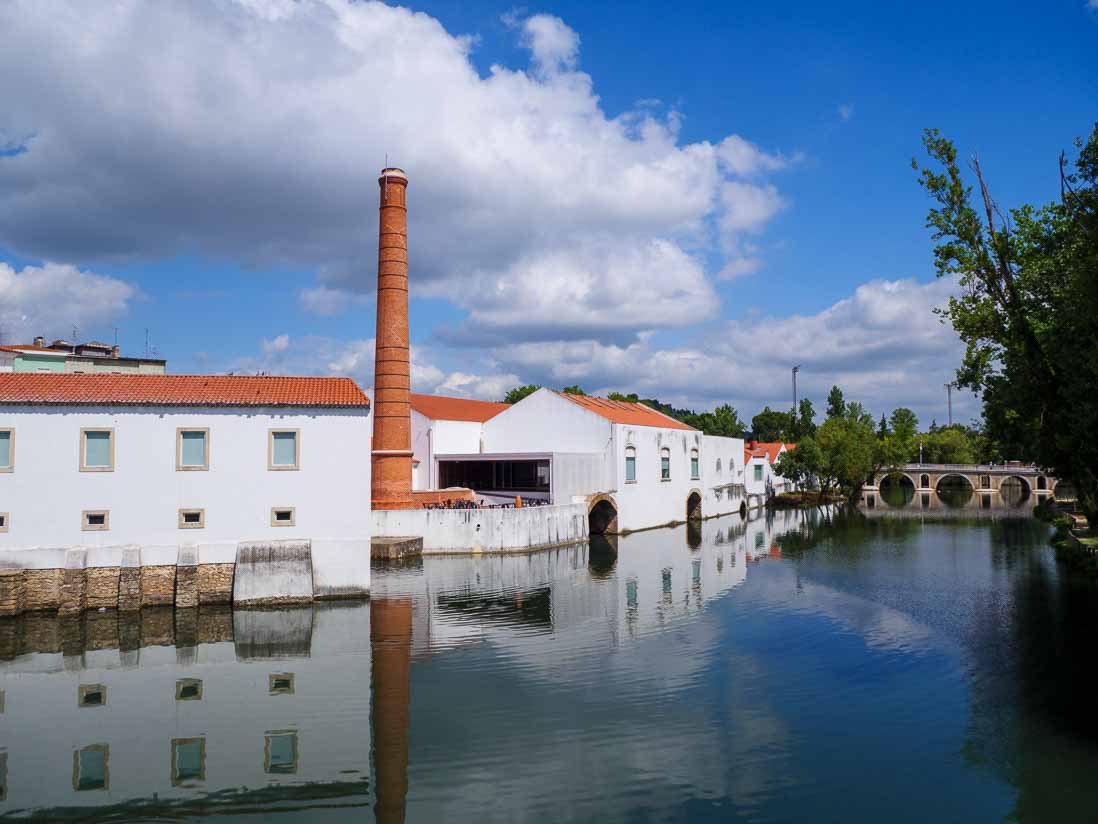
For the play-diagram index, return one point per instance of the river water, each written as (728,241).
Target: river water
(894,664)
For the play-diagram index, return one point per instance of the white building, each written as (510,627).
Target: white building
(634,466)
(761,481)
(449,426)
(102,462)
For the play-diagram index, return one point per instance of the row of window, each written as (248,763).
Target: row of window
(192,449)
(99,520)
(665,464)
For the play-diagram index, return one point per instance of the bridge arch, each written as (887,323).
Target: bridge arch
(893,474)
(602,515)
(1021,478)
(948,475)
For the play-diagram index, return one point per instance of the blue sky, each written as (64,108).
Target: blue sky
(682,200)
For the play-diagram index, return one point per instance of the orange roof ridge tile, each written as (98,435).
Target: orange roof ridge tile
(626,412)
(179,390)
(443,408)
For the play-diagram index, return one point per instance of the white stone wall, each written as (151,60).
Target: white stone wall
(46,493)
(434,437)
(486,530)
(546,422)
(650,501)
(722,475)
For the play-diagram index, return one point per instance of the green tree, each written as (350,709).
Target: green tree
(519,392)
(805,424)
(573,390)
(724,421)
(904,422)
(618,396)
(882,427)
(770,425)
(848,446)
(836,407)
(948,445)
(1027,309)
(802,465)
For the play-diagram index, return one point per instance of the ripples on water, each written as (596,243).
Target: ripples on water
(825,667)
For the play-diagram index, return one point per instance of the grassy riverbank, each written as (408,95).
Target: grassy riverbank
(803,500)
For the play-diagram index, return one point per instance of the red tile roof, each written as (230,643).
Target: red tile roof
(626,412)
(27,347)
(439,408)
(769,451)
(178,390)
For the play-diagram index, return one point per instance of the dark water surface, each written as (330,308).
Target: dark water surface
(887,666)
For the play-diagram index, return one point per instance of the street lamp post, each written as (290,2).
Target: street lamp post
(949,400)
(796,369)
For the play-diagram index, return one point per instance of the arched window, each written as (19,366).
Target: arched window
(665,464)
(630,464)
(924,481)
(695,468)
(718,466)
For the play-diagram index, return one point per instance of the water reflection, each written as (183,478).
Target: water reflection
(752,669)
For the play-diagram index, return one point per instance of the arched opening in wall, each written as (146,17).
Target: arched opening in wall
(1014,491)
(743,509)
(1042,483)
(954,490)
(896,489)
(602,517)
(694,507)
(924,481)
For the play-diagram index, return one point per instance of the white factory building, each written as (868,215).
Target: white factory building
(161,462)
(635,467)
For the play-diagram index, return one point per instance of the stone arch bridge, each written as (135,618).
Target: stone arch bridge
(981,477)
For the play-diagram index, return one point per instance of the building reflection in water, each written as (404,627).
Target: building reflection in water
(205,711)
(195,712)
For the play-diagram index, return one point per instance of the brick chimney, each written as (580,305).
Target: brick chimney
(392,448)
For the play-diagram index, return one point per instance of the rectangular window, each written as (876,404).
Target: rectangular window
(97,450)
(665,468)
(188,761)
(283,449)
(91,695)
(694,469)
(280,752)
(5,519)
(192,518)
(758,472)
(7,450)
(188,689)
(192,449)
(283,516)
(630,467)
(97,520)
(91,768)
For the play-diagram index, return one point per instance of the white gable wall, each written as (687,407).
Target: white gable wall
(46,493)
(546,422)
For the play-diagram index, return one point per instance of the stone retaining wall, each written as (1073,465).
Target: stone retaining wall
(283,573)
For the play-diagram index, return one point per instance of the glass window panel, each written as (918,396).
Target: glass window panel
(630,468)
(5,450)
(285,448)
(192,449)
(188,760)
(97,449)
(694,466)
(665,467)
(758,472)
(92,774)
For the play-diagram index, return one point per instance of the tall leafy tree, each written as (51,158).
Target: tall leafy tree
(836,406)
(770,425)
(1027,308)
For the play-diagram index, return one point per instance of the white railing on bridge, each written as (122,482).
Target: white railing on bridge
(1008,469)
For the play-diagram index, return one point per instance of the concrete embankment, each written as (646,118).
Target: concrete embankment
(486,530)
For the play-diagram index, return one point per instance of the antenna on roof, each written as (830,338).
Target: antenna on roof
(116,336)
(146,341)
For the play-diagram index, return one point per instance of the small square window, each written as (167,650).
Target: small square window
(283,516)
(758,472)
(7,450)
(280,753)
(192,450)
(188,689)
(97,450)
(91,695)
(5,520)
(188,761)
(91,768)
(192,518)
(283,449)
(95,520)
(280,683)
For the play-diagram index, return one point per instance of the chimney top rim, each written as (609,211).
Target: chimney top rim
(393,171)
